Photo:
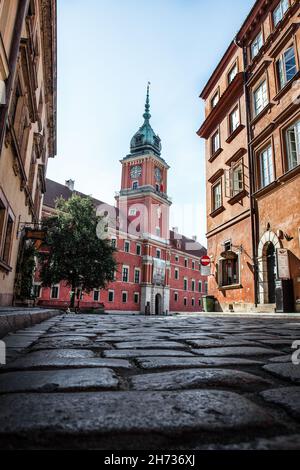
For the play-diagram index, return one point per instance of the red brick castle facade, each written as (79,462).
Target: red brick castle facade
(158,269)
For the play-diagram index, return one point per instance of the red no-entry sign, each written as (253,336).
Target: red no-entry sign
(205,261)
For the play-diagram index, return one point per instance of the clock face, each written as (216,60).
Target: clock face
(136,171)
(157,174)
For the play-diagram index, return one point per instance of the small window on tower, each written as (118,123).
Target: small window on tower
(135,185)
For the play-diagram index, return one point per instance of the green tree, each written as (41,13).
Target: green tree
(74,253)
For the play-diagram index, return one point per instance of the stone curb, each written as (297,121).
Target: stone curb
(20,319)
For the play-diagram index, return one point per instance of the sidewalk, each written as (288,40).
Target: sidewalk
(16,318)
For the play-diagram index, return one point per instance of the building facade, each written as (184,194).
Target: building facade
(158,269)
(27,124)
(268,47)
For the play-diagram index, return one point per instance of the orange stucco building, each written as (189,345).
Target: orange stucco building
(252,132)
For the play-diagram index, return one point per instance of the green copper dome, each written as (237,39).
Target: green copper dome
(145,138)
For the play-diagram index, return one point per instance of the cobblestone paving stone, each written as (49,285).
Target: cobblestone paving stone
(135,382)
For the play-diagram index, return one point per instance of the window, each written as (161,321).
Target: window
(111,295)
(124,297)
(256,45)
(185,301)
(157,231)
(200,302)
(193,264)
(205,287)
(217,196)
(136,297)
(135,185)
(157,188)
(114,242)
(215,99)
(132,212)
(293,145)
(260,97)
(138,250)
(234,120)
(8,239)
(185,284)
(215,142)
(236,179)
(232,73)
(2,219)
(55,292)
(125,274)
(286,67)
(229,270)
(193,285)
(186,263)
(193,302)
(176,297)
(176,259)
(200,286)
(36,290)
(96,295)
(158,254)
(176,274)
(266,167)
(137,276)
(126,247)
(279,12)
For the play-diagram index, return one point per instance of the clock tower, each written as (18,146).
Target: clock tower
(143,194)
(144,206)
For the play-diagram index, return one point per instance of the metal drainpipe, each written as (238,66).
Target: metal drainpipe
(12,64)
(253,207)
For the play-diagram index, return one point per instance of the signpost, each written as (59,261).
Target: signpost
(205,265)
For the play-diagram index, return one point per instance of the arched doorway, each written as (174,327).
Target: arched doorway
(158,304)
(271,272)
(267,247)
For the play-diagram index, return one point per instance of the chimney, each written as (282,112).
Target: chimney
(70,184)
(194,238)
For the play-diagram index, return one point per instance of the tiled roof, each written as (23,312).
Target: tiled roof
(179,242)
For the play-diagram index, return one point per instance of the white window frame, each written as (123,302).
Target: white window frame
(234,120)
(193,285)
(111,291)
(98,291)
(38,284)
(176,297)
(126,243)
(137,270)
(281,66)
(257,44)
(215,142)
(132,212)
(185,284)
(140,249)
(176,274)
(126,294)
(138,297)
(260,97)
(124,267)
(58,291)
(215,99)
(266,171)
(281,8)
(217,200)
(200,287)
(232,73)
(295,129)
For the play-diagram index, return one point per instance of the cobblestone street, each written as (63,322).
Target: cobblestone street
(134,382)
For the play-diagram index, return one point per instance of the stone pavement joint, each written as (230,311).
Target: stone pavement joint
(136,382)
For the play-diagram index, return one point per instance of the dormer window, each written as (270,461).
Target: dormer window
(138,140)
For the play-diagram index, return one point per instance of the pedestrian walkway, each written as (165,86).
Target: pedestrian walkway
(135,382)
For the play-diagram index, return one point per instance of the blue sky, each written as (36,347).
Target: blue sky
(107,52)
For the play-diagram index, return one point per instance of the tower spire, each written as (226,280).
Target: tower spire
(147,114)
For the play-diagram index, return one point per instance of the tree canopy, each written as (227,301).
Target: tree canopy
(73,252)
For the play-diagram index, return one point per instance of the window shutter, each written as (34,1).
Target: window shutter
(228,183)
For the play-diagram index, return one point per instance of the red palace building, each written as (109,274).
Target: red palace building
(159,270)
